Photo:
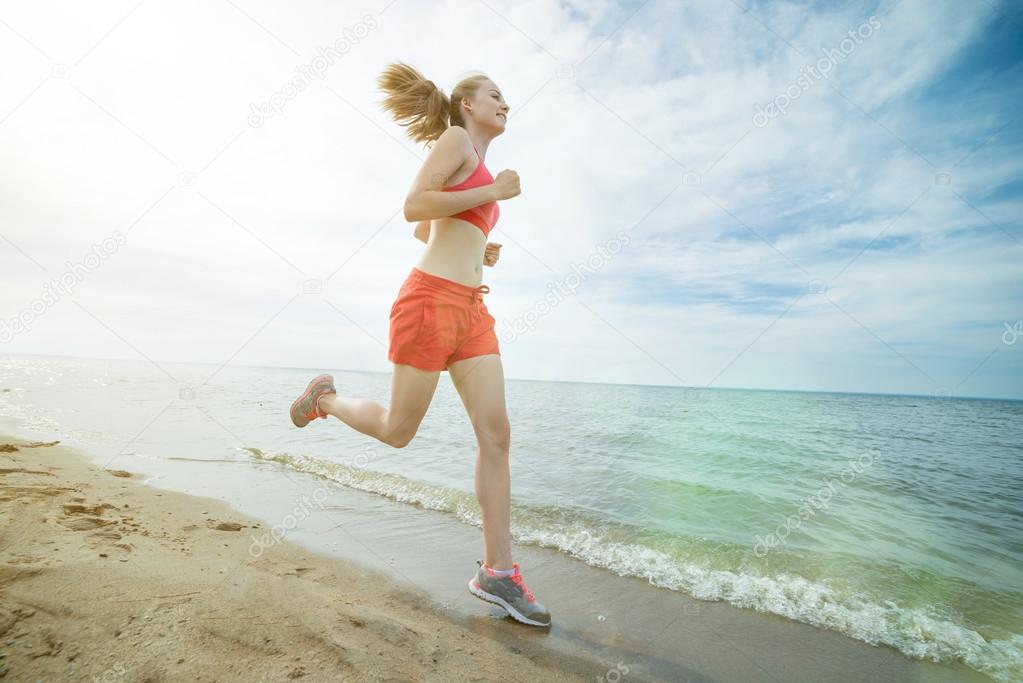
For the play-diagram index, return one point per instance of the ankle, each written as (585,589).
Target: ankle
(501,567)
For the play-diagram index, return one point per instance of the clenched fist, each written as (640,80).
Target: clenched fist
(491,254)
(506,184)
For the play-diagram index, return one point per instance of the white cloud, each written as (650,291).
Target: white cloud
(205,273)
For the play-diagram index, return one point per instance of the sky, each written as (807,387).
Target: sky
(775,195)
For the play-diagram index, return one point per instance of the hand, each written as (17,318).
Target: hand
(491,254)
(506,184)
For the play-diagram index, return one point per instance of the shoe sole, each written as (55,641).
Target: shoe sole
(312,385)
(490,597)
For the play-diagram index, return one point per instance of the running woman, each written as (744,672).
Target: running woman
(439,320)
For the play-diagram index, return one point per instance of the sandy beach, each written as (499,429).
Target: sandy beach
(103,578)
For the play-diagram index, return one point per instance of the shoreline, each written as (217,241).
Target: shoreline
(103,577)
(175,586)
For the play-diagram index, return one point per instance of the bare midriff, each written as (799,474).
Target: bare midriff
(455,251)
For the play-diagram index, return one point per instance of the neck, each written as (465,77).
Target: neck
(479,140)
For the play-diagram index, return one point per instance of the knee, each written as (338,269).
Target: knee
(494,434)
(399,440)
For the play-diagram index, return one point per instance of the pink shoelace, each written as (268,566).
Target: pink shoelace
(517,578)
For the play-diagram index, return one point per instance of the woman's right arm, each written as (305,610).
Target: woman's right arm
(427,199)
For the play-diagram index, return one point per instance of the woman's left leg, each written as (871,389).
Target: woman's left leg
(480,383)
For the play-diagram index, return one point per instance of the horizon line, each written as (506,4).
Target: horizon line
(559,381)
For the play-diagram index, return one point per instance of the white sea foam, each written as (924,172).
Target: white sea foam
(918,633)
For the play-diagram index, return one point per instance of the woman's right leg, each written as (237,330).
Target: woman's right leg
(411,392)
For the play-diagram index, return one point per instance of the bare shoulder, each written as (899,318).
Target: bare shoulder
(455,139)
(449,153)
(456,133)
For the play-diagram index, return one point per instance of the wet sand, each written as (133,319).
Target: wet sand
(103,576)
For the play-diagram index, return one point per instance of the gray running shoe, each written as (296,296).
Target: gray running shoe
(510,593)
(304,409)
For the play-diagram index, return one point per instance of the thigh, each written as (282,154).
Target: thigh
(421,333)
(412,391)
(480,383)
(479,337)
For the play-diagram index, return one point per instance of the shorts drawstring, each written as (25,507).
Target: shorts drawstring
(478,292)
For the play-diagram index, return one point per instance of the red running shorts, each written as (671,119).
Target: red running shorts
(436,322)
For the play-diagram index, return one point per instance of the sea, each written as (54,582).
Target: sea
(893,520)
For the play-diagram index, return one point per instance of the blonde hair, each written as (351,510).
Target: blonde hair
(418,104)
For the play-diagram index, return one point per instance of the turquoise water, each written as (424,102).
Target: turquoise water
(895,520)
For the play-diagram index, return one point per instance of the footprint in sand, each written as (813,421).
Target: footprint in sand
(83,517)
(299,571)
(27,493)
(22,470)
(108,533)
(85,523)
(85,510)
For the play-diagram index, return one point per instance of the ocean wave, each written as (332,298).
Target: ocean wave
(921,633)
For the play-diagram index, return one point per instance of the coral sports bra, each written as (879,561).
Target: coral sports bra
(483,216)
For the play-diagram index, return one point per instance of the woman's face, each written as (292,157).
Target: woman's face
(489,108)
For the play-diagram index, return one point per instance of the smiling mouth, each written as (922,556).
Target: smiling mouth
(503,117)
